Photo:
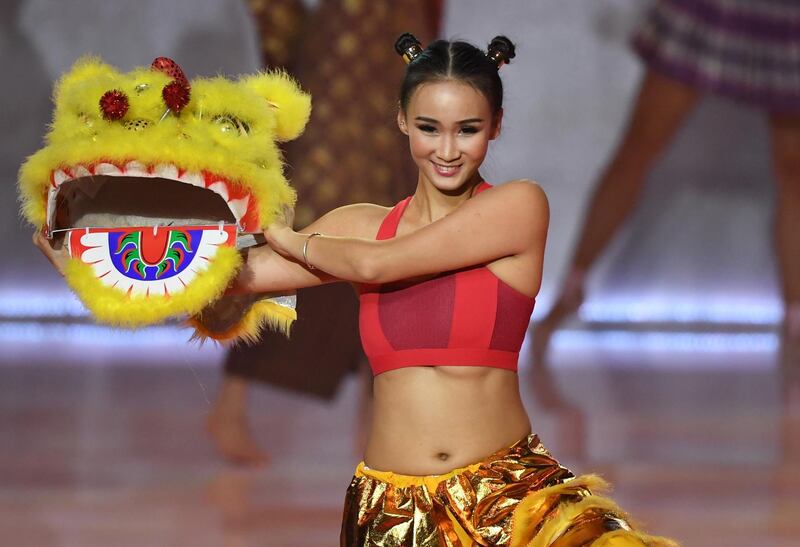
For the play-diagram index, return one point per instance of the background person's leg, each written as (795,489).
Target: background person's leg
(660,109)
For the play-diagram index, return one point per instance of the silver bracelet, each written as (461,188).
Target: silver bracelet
(305,250)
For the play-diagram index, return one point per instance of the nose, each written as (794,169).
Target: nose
(447,150)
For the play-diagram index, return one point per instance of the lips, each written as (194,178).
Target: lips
(446,170)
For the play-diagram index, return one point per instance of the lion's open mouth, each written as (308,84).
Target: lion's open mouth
(107,194)
(147,230)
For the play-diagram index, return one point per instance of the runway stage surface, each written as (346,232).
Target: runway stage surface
(111,450)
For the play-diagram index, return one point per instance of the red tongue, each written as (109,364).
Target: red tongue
(154,246)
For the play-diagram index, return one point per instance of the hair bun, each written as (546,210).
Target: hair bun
(501,50)
(408,47)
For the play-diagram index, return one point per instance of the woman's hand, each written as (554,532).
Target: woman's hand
(53,250)
(278,231)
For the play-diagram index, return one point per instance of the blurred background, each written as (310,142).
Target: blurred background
(671,380)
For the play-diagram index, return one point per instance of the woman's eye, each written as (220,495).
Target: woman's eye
(426,128)
(469,130)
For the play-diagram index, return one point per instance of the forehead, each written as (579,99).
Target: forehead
(448,99)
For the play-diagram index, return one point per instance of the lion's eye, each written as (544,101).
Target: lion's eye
(231,124)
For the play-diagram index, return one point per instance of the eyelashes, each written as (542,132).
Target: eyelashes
(466,130)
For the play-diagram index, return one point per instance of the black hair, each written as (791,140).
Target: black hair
(456,60)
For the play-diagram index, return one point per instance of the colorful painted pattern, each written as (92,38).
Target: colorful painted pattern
(134,257)
(149,260)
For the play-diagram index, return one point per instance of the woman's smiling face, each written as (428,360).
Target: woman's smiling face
(449,125)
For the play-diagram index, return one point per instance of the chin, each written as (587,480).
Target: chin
(449,186)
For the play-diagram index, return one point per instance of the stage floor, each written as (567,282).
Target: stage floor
(703,447)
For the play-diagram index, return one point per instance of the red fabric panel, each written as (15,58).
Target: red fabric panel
(474,309)
(419,315)
(513,318)
(372,339)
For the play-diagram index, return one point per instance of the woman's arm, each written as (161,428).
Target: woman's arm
(267,271)
(509,220)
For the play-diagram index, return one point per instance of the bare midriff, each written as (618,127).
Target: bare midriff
(429,420)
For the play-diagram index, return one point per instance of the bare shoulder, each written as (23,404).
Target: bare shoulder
(356,220)
(525,190)
(521,196)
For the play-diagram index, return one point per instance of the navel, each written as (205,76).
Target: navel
(444,456)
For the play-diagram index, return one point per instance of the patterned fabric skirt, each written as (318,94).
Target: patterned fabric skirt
(519,496)
(748,50)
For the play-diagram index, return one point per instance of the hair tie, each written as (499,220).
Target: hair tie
(408,47)
(501,51)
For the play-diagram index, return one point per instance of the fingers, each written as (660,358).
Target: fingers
(288,215)
(56,255)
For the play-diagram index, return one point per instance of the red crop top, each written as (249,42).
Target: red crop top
(462,317)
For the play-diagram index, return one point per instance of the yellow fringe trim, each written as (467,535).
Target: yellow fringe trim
(114,307)
(631,538)
(522,525)
(260,315)
(565,515)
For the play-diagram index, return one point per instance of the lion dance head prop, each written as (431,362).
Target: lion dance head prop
(155,183)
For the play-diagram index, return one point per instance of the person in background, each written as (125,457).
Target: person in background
(748,50)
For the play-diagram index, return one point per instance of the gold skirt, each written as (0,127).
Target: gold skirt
(518,496)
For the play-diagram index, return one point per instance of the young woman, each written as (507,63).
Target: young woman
(447,280)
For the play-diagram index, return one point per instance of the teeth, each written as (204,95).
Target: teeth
(51,206)
(195,179)
(107,169)
(59,177)
(166,171)
(220,188)
(239,206)
(81,171)
(136,169)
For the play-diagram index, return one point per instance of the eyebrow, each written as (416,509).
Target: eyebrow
(432,120)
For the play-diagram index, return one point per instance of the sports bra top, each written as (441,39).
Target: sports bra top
(462,317)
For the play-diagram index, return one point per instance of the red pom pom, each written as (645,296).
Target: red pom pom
(171,69)
(176,96)
(113,104)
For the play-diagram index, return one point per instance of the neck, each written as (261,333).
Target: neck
(430,204)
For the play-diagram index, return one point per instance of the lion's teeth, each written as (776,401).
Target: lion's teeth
(195,179)
(107,169)
(220,188)
(81,171)
(59,177)
(136,169)
(239,206)
(166,171)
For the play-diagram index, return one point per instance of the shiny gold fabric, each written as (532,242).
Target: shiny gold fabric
(520,496)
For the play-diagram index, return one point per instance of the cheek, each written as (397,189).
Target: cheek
(420,146)
(476,148)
